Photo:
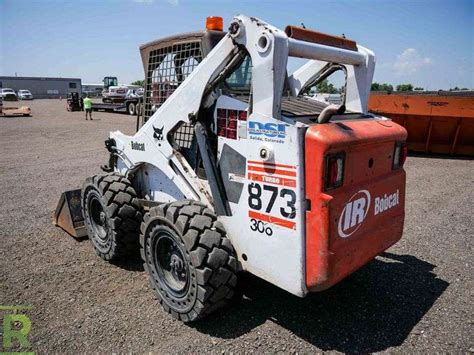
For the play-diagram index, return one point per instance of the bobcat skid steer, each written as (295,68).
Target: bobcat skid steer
(234,167)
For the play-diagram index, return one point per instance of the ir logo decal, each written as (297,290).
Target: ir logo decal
(354,213)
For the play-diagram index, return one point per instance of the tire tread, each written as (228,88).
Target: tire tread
(211,254)
(123,210)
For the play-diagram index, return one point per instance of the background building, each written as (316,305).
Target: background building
(42,87)
(93,90)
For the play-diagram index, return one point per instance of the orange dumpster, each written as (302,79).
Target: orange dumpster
(437,122)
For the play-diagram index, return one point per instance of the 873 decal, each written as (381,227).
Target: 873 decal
(266,201)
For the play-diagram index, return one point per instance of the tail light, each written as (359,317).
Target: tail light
(232,120)
(232,134)
(227,122)
(334,170)
(399,155)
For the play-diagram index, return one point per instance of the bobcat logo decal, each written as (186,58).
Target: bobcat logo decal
(158,134)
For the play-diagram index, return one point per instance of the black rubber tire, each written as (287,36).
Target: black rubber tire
(139,109)
(131,109)
(114,194)
(209,257)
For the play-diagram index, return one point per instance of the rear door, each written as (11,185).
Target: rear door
(356,194)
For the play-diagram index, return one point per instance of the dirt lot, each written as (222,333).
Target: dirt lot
(417,297)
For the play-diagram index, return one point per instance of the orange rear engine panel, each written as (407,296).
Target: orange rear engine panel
(348,226)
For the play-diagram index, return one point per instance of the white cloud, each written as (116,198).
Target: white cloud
(410,61)
(173,2)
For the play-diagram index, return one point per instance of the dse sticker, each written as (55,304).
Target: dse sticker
(267,132)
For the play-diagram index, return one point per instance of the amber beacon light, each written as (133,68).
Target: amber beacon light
(215,23)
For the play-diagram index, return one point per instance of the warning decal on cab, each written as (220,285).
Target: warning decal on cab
(278,174)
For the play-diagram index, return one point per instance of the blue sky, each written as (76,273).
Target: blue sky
(427,43)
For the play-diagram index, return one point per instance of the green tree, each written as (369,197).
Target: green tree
(381,87)
(418,88)
(375,87)
(459,89)
(138,82)
(325,87)
(405,87)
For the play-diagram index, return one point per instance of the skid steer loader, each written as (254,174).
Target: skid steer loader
(235,167)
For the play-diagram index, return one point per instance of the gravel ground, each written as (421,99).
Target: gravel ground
(417,297)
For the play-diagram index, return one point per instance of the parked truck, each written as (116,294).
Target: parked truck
(119,98)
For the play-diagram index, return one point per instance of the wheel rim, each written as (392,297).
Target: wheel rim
(131,109)
(98,219)
(170,264)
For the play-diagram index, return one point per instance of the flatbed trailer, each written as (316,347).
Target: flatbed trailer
(128,106)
